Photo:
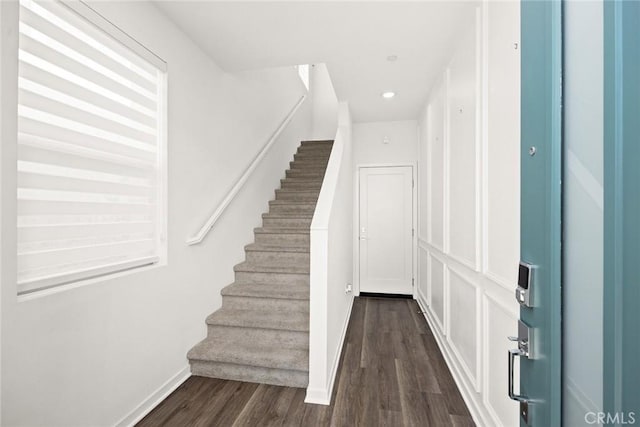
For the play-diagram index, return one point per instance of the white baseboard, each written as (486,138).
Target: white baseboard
(155,398)
(471,398)
(322,396)
(318,396)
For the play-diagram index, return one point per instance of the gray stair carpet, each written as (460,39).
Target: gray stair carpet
(261,332)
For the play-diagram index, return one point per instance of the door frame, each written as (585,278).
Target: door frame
(541,207)
(621,209)
(356,220)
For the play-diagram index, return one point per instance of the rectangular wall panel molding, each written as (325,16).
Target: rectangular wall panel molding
(470,249)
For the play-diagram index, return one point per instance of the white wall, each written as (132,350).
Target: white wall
(324,103)
(331,266)
(91,355)
(380,143)
(401,146)
(469,181)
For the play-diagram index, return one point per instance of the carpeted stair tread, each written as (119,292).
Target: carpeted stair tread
(283,269)
(317,142)
(285,215)
(300,173)
(291,202)
(261,319)
(297,191)
(258,247)
(266,290)
(314,181)
(239,353)
(281,230)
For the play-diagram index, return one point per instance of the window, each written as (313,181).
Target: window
(91,142)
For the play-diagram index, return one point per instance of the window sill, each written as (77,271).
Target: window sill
(41,293)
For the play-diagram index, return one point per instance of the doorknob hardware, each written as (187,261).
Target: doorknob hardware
(523,350)
(512,355)
(523,400)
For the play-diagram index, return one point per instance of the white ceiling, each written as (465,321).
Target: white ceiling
(352,38)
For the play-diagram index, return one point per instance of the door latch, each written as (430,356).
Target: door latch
(523,350)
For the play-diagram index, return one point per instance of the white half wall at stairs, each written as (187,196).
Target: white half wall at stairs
(324,104)
(331,266)
(469,188)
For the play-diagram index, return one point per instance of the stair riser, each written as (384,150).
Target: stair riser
(320,143)
(297,196)
(308,166)
(296,186)
(320,157)
(285,339)
(276,304)
(283,239)
(301,185)
(254,374)
(302,173)
(278,258)
(275,278)
(305,209)
(321,153)
(287,222)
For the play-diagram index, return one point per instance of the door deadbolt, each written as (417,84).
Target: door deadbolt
(523,290)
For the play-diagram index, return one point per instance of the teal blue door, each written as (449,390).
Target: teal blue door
(540,236)
(621,373)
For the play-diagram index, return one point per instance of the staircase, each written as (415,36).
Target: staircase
(261,332)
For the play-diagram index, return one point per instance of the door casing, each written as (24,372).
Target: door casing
(356,220)
(621,373)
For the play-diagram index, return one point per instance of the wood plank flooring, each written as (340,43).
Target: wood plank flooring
(391,374)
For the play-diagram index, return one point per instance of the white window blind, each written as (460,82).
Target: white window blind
(90,147)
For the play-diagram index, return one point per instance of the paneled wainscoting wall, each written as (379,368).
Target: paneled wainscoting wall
(469,182)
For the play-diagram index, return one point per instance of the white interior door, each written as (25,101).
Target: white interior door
(385,230)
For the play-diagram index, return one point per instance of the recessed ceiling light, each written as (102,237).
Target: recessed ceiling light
(392,58)
(388,95)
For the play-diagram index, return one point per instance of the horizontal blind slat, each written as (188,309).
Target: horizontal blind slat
(85,242)
(79,197)
(81,174)
(57,207)
(52,232)
(48,183)
(32,221)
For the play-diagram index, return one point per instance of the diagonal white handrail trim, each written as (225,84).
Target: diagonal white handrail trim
(204,230)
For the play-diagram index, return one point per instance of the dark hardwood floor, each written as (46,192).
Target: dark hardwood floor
(391,374)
